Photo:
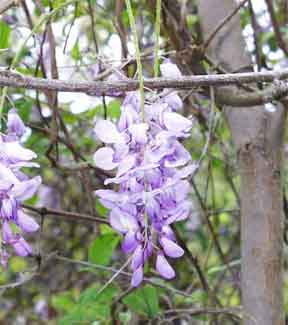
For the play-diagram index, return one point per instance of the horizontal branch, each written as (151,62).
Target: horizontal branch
(97,88)
(235,312)
(277,91)
(43,211)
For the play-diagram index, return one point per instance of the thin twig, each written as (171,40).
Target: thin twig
(235,312)
(222,24)
(138,53)
(113,270)
(93,25)
(71,215)
(278,34)
(24,277)
(157,36)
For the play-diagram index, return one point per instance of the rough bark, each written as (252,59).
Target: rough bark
(257,135)
(229,96)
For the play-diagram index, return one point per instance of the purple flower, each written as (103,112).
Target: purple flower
(15,187)
(177,124)
(104,158)
(26,223)
(137,277)
(20,245)
(173,100)
(15,125)
(107,132)
(13,154)
(170,248)
(170,70)
(94,70)
(150,166)
(164,268)
(4,257)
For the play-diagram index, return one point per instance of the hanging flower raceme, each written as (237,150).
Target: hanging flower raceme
(151,167)
(15,187)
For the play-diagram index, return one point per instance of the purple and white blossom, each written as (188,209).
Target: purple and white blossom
(150,166)
(15,187)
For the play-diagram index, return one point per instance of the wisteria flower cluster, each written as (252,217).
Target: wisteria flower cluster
(15,187)
(151,167)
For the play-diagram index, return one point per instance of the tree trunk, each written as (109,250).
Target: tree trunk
(257,135)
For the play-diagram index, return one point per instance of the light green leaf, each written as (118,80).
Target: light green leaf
(101,210)
(144,301)
(24,107)
(63,301)
(90,295)
(114,109)
(91,306)
(75,52)
(5,31)
(101,250)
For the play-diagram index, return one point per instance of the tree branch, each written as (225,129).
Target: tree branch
(280,40)
(6,4)
(69,215)
(97,88)
(235,312)
(223,23)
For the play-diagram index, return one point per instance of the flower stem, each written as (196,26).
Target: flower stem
(157,34)
(138,55)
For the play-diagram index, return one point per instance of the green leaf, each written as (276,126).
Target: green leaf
(69,118)
(106,229)
(144,301)
(191,20)
(17,264)
(58,3)
(92,112)
(63,301)
(113,109)
(5,31)
(101,210)
(38,143)
(75,52)
(90,295)
(86,314)
(101,250)
(125,317)
(196,297)
(24,107)
(45,3)
(91,306)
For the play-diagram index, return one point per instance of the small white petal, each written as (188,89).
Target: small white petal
(171,248)
(170,70)
(103,158)
(164,268)
(107,132)
(176,123)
